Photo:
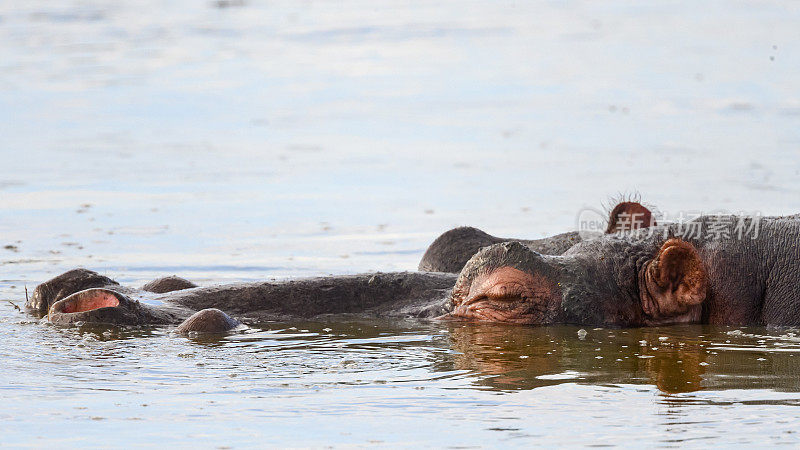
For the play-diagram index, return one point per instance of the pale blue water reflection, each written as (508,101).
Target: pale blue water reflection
(283,138)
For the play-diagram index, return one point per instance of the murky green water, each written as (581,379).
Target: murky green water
(233,141)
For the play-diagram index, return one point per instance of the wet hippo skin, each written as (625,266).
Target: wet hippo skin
(81,295)
(646,277)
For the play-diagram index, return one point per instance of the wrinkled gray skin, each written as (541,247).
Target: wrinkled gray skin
(748,281)
(451,251)
(81,295)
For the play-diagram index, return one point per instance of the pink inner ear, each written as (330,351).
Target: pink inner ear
(91,300)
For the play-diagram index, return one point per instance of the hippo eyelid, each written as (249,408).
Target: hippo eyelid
(474,299)
(511,291)
(508,290)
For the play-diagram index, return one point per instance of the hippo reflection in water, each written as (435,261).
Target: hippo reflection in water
(660,275)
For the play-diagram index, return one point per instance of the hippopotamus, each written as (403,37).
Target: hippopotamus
(743,271)
(451,250)
(723,270)
(82,295)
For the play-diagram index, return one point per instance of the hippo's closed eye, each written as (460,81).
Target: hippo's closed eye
(505,283)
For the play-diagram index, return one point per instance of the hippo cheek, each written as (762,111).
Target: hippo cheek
(93,305)
(507,295)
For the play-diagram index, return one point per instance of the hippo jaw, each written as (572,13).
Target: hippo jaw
(103,306)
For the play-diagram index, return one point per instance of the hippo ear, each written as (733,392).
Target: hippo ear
(628,216)
(674,281)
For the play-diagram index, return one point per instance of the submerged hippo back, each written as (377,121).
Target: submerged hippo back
(377,294)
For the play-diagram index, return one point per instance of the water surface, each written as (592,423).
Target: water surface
(401,383)
(233,141)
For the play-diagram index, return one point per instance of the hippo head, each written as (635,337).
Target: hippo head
(64,285)
(616,281)
(105,306)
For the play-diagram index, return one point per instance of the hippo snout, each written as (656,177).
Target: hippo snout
(96,306)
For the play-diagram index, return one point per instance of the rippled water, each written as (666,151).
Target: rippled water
(234,140)
(399,384)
